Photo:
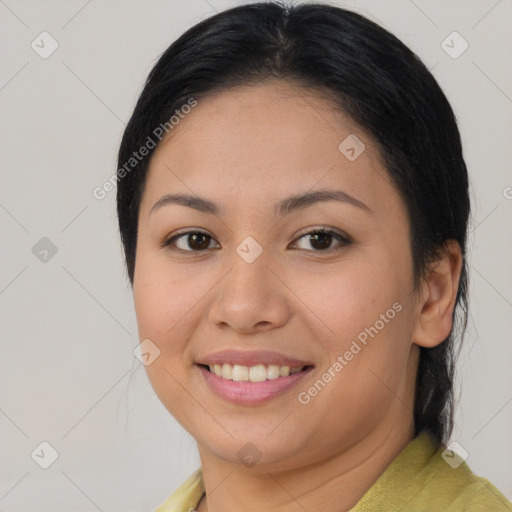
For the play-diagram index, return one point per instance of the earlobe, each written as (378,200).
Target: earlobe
(437,298)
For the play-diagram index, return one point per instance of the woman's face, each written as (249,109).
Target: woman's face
(255,283)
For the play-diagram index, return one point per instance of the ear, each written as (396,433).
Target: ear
(437,298)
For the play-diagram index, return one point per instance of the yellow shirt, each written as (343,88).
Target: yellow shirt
(423,477)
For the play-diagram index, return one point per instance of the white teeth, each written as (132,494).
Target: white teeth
(272,371)
(240,372)
(258,373)
(226,372)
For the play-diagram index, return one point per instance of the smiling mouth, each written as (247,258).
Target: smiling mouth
(257,373)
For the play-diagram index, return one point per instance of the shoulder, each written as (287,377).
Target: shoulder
(456,487)
(185,497)
(427,476)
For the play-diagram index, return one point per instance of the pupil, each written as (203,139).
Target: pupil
(323,238)
(194,238)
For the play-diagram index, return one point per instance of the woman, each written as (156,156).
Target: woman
(293,205)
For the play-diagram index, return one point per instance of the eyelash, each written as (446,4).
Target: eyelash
(344,240)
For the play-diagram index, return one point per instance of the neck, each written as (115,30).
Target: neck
(334,484)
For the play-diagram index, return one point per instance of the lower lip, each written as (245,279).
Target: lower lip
(251,393)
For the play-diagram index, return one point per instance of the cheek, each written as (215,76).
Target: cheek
(161,305)
(162,301)
(361,312)
(344,300)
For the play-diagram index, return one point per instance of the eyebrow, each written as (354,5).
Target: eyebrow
(282,208)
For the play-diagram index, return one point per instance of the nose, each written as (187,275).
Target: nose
(250,298)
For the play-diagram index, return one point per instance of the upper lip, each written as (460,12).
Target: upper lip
(251,358)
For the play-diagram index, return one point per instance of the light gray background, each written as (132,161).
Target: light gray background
(68,374)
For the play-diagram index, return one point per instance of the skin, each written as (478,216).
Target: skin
(247,148)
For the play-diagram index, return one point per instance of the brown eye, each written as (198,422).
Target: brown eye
(321,240)
(190,241)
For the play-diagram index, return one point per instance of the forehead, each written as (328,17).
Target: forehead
(264,141)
